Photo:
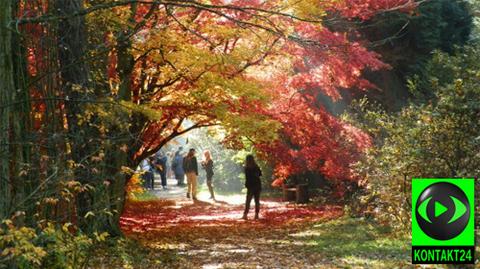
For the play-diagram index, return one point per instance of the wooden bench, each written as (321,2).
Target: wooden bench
(297,193)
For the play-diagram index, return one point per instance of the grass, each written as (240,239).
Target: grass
(357,243)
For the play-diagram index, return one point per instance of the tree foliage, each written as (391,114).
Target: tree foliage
(93,87)
(406,41)
(433,138)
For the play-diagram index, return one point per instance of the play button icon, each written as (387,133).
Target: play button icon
(442,211)
(439,209)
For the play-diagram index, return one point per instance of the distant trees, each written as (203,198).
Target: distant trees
(406,43)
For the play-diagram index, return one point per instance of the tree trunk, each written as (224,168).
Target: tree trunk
(74,74)
(14,119)
(106,200)
(7,89)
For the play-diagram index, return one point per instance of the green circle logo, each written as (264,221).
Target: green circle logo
(442,211)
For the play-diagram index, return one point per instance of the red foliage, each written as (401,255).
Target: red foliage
(365,9)
(323,61)
(311,138)
(36,42)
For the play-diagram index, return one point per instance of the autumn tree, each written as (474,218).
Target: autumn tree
(117,80)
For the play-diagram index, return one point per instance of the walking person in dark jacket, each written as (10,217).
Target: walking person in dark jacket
(207,164)
(190,167)
(177,167)
(161,166)
(253,185)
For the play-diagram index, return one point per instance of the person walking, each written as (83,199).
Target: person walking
(147,173)
(207,164)
(177,167)
(161,166)
(170,158)
(253,185)
(190,167)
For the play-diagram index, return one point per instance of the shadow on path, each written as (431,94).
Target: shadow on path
(211,234)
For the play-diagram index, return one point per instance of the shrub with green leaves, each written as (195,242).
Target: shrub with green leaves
(18,248)
(53,246)
(437,137)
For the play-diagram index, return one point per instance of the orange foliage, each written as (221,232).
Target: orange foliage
(134,185)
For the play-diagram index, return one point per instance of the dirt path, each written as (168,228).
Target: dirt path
(211,234)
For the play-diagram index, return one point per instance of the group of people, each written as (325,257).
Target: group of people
(181,166)
(187,166)
(152,164)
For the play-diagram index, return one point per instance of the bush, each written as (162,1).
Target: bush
(439,137)
(53,246)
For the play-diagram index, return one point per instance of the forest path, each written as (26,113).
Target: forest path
(211,234)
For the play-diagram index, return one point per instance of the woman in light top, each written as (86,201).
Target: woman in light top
(207,164)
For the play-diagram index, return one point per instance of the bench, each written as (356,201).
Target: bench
(297,193)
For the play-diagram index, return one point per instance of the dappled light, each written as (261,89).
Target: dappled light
(211,234)
(142,216)
(237,133)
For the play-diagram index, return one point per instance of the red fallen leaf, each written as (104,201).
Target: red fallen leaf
(175,218)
